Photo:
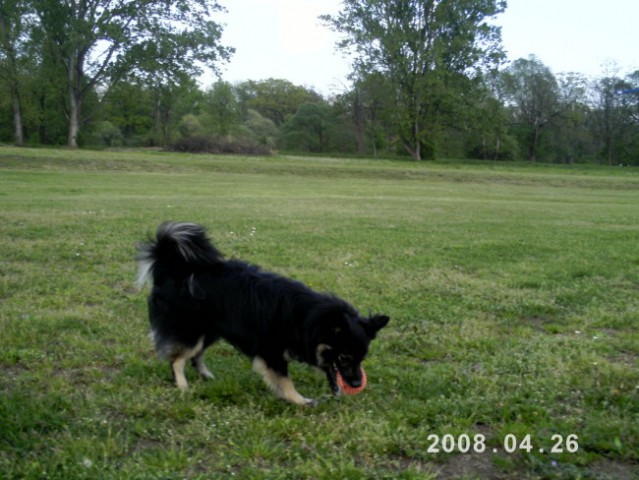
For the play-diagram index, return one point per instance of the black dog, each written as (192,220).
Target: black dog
(199,297)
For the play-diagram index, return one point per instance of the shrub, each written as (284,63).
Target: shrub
(228,145)
(190,126)
(106,134)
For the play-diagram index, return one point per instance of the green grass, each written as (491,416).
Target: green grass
(513,292)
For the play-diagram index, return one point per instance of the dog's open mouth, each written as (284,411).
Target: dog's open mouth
(331,374)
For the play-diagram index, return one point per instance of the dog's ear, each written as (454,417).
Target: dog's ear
(374,324)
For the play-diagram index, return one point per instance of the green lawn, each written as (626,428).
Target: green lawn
(513,292)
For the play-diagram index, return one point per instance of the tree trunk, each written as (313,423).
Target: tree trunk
(358,116)
(74,79)
(417,154)
(413,145)
(534,144)
(12,74)
(75,100)
(17,120)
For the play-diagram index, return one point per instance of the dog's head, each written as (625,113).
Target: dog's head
(343,345)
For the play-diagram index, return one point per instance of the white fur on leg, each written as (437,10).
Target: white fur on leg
(178,372)
(178,362)
(200,366)
(280,384)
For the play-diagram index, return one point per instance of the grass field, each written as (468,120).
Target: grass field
(513,292)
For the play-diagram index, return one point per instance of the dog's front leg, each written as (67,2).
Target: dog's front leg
(331,376)
(280,383)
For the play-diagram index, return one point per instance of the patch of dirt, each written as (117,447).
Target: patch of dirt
(478,466)
(611,470)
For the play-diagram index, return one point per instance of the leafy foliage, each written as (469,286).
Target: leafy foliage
(425,48)
(427,83)
(275,99)
(313,129)
(99,42)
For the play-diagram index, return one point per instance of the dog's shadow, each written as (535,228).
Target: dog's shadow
(235,384)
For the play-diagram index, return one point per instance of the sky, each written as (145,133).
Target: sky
(285,39)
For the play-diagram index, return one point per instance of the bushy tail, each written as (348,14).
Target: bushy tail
(179,249)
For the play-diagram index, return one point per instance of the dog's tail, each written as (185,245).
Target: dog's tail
(178,249)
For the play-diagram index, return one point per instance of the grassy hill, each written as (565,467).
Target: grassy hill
(512,290)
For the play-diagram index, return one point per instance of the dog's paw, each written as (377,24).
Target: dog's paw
(181,384)
(206,375)
(311,402)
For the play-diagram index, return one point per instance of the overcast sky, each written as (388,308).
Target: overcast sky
(284,38)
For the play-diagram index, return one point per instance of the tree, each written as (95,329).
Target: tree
(371,111)
(128,106)
(631,97)
(45,98)
(489,121)
(274,98)
(352,105)
(572,141)
(614,117)
(171,101)
(221,109)
(14,21)
(534,92)
(262,129)
(421,46)
(99,41)
(310,128)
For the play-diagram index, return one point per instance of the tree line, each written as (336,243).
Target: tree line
(429,81)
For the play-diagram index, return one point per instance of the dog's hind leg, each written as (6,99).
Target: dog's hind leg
(179,360)
(280,383)
(198,360)
(200,366)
